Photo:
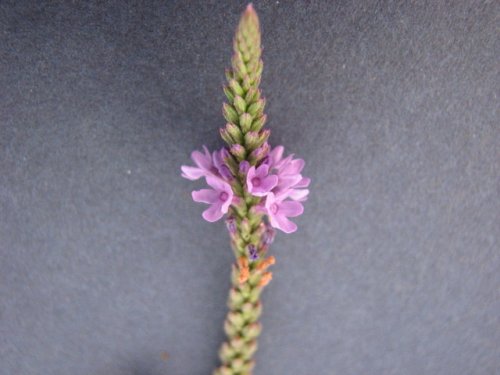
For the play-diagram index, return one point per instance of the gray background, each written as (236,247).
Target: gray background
(105,260)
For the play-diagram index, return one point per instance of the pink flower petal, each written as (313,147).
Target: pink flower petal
(281,222)
(299,195)
(303,183)
(268,183)
(205,196)
(191,173)
(218,184)
(288,181)
(262,171)
(212,213)
(290,208)
(202,160)
(276,154)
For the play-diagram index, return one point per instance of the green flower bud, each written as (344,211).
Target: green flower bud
(235,132)
(229,113)
(258,123)
(252,95)
(245,122)
(229,328)
(256,109)
(238,152)
(226,352)
(229,94)
(252,140)
(239,104)
(235,86)
(252,330)
(236,319)
(237,365)
(226,137)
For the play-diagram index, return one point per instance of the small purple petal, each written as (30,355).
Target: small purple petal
(303,183)
(205,196)
(281,222)
(192,173)
(213,213)
(252,252)
(291,208)
(244,167)
(203,161)
(268,183)
(299,195)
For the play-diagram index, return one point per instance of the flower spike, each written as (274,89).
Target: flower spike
(255,185)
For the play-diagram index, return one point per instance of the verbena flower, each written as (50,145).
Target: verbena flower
(219,198)
(204,165)
(259,182)
(279,211)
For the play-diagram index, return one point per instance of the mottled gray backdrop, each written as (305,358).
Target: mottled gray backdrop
(106,262)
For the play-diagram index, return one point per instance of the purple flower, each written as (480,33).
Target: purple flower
(290,181)
(275,156)
(252,252)
(259,182)
(204,165)
(220,165)
(219,198)
(244,166)
(278,212)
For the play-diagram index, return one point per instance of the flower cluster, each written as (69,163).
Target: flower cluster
(276,182)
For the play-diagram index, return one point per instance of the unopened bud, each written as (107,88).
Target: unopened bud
(235,298)
(229,93)
(244,167)
(238,151)
(256,109)
(259,153)
(253,330)
(230,162)
(235,132)
(229,113)
(235,87)
(252,95)
(252,140)
(258,123)
(236,319)
(245,122)
(239,104)
(226,136)
(247,82)
(264,136)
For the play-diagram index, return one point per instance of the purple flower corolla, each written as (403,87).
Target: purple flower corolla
(204,165)
(279,211)
(290,181)
(219,198)
(218,162)
(252,252)
(259,182)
